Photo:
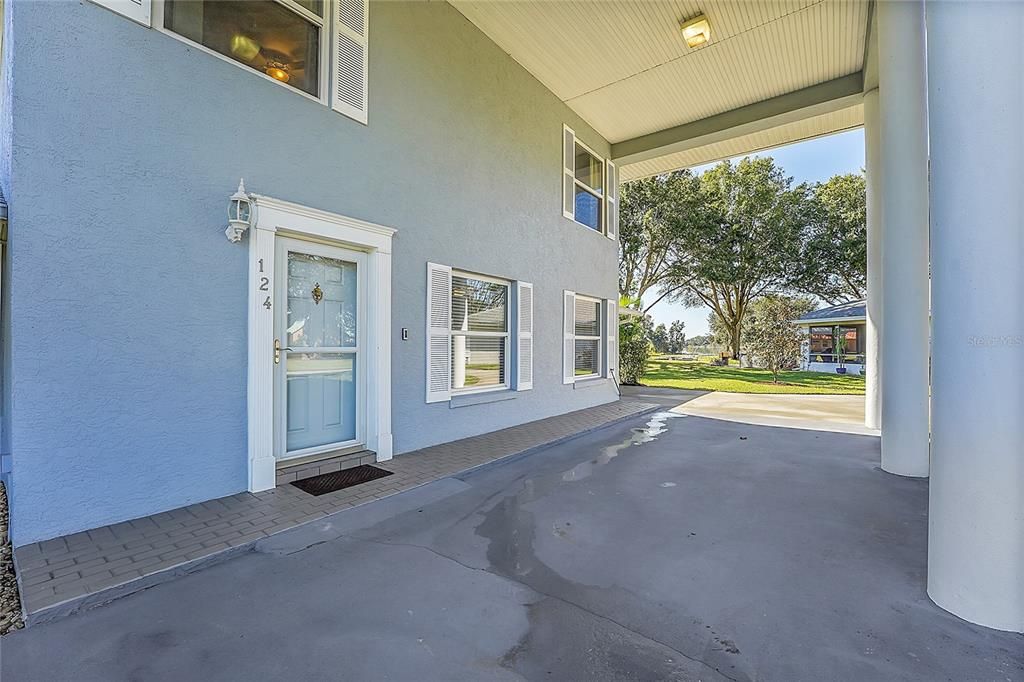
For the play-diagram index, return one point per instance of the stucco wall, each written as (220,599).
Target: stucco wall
(128,304)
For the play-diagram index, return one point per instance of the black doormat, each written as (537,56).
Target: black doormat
(339,480)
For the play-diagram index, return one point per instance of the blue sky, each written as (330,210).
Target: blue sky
(811,161)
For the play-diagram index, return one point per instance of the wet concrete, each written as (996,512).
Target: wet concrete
(671,547)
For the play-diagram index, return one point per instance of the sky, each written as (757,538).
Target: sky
(811,161)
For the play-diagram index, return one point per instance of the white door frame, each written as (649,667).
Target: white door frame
(273,218)
(286,245)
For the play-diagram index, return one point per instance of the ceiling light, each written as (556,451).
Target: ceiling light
(277,71)
(696,31)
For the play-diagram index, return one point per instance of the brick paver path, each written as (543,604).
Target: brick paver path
(58,575)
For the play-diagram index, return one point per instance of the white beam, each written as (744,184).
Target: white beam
(823,98)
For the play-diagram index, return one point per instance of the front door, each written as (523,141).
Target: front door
(320,321)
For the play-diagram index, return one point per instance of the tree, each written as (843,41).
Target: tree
(700,341)
(676,337)
(659,337)
(774,339)
(836,245)
(654,215)
(746,242)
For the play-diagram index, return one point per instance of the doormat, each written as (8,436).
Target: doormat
(339,480)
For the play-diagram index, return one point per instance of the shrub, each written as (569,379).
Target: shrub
(635,349)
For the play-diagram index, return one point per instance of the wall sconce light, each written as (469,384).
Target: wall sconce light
(239,214)
(696,31)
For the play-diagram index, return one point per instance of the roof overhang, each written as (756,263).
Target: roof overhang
(831,321)
(771,73)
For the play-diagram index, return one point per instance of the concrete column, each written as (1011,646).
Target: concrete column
(903,139)
(976,492)
(873,329)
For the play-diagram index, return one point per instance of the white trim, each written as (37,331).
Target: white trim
(438,277)
(830,321)
(524,335)
(137,10)
(274,217)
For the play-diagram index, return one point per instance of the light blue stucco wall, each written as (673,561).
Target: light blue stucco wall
(128,305)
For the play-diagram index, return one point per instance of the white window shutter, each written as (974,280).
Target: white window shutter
(350,68)
(611,193)
(136,10)
(524,336)
(611,340)
(569,337)
(568,173)
(439,332)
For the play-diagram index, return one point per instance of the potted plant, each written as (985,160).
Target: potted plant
(839,348)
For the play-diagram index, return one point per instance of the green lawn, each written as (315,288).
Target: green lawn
(704,377)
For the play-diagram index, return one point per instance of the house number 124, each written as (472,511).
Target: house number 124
(264,285)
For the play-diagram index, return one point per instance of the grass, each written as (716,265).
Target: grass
(701,376)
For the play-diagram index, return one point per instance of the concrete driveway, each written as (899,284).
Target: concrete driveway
(840,413)
(673,547)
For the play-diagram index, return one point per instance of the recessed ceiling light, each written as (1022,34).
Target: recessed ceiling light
(696,31)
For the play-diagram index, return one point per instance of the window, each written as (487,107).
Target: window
(316,47)
(823,344)
(279,39)
(587,349)
(590,187)
(590,337)
(479,333)
(470,333)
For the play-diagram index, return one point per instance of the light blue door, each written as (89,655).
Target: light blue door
(321,356)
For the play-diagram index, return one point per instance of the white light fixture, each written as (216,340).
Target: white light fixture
(696,31)
(239,214)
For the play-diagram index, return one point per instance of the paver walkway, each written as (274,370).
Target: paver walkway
(66,574)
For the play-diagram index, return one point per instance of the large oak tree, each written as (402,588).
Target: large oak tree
(744,242)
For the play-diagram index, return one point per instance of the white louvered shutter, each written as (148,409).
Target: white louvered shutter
(569,337)
(611,193)
(349,72)
(568,173)
(136,10)
(439,332)
(611,341)
(524,336)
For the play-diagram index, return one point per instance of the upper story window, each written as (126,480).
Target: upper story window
(280,39)
(590,187)
(315,47)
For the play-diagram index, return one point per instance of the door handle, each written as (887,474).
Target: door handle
(277,351)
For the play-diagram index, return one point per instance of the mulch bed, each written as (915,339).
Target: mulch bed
(10,604)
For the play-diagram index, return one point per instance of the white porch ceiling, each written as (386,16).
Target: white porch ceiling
(624,67)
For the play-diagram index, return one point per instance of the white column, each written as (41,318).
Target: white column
(873,329)
(976,492)
(903,139)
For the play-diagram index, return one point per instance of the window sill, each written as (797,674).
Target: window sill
(589,382)
(482,398)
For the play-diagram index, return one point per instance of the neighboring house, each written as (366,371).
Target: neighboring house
(424,250)
(822,328)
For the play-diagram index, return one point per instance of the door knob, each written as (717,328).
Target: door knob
(277,351)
